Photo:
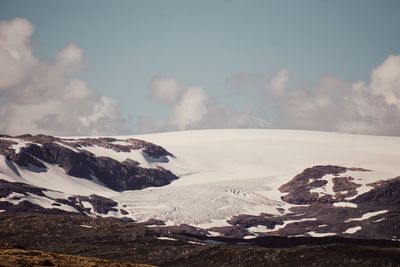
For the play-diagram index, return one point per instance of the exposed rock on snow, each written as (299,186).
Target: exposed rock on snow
(81,163)
(230,181)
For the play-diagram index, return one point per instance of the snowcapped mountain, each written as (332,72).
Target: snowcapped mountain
(234,183)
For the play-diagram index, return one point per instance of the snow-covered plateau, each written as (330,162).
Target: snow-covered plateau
(220,175)
(228,172)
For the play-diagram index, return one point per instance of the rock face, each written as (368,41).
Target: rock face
(299,189)
(76,161)
(20,197)
(385,193)
(100,205)
(339,210)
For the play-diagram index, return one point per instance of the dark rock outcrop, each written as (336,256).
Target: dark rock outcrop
(100,204)
(119,176)
(299,187)
(21,193)
(386,193)
(247,221)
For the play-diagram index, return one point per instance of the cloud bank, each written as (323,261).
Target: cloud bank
(190,107)
(47,97)
(38,96)
(332,105)
(355,107)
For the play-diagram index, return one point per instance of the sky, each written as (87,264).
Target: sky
(119,67)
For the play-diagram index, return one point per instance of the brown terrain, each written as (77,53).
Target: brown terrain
(14,257)
(128,242)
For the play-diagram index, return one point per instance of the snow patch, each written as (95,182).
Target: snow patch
(66,146)
(212,233)
(264,229)
(345,204)
(166,238)
(367,216)
(249,237)
(196,243)
(326,189)
(14,198)
(44,202)
(315,234)
(55,178)
(17,147)
(136,155)
(55,194)
(352,230)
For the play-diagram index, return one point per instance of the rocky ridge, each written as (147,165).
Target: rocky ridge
(34,152)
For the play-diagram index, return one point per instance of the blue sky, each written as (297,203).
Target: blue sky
(203,43)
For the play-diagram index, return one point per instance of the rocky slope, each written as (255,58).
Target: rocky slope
(374,214)
(14,257)
(37,152)
(371,215)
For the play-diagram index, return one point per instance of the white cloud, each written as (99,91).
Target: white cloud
(191,107)
(46,97)
(69,59)
(345,107)
(38,96)
(385,80)
(331,105)
(165,89)
(15,54)
(279,81)
(219,116)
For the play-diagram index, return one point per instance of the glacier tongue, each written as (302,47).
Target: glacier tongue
(203,205)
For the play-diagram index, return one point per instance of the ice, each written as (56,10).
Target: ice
(203,205)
